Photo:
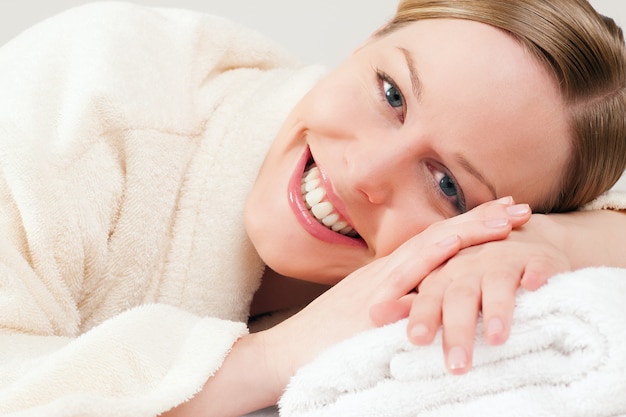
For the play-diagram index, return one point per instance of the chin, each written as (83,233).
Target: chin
(311,271)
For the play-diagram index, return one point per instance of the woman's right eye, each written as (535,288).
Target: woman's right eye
(394,98)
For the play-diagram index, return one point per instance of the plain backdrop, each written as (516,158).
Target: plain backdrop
(320,31)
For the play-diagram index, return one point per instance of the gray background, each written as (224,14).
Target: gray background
(320,31)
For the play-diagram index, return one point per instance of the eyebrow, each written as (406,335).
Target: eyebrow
(471,169)
(416,84)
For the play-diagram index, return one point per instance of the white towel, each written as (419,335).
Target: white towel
(566,356)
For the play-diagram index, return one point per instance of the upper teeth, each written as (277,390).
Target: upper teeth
(323,210)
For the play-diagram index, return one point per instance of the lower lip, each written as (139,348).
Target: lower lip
(305,218)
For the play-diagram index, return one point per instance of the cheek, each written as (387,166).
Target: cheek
(338,105)
(398,226)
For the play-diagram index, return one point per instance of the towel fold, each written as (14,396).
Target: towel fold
(566,356)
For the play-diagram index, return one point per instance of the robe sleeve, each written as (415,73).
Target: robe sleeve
(69,90)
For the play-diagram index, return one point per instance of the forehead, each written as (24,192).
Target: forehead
(457,38)
(485,96)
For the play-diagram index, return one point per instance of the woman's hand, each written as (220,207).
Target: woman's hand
(484,277)
(487,276)
(343,310)
(256,371)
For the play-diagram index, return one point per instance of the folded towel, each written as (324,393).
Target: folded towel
(566,356)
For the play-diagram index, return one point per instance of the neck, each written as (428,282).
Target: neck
(278,292)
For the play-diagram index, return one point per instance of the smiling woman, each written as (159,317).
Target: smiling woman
(358,122)
(588,91)
(168,174)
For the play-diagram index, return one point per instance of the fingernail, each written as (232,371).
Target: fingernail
(457,358)
(418,331)
(497,223)
(495,327)
(518,210)
(505,200)
(449,241)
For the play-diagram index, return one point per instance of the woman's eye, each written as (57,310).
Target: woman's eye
(392,94)
(448,186)
(449,189)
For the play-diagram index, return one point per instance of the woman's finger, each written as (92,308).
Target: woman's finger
(487,223)
(540,269)
(425,314)
(405,272)
(460,308)
(494,218)
(498,302)
(391,311)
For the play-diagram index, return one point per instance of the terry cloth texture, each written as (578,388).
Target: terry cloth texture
(129,139)
(565,357)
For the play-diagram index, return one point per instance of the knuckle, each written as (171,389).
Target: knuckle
(428,317)
(428,298)
(434,229)
(461,292)
(396,276)
(494,209)
(546,265)
(500,276)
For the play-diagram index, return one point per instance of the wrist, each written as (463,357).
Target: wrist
(555,229)
(246,381)
(589,238)
(274,357)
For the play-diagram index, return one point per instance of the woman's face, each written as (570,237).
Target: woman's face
(416,126)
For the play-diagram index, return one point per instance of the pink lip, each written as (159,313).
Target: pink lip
(308,222)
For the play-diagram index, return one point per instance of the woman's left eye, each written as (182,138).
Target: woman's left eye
(449,189)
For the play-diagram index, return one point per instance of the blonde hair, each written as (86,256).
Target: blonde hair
(585,52)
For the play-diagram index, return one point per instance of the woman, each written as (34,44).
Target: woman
(590,102)
(132,135)
(419,128)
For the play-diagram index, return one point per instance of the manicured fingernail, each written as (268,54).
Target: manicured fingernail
(457,358)
(505,200)
(449,241)
(495,327)
(518,210)
(418,331)
(497,223)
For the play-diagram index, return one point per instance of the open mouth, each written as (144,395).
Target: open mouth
(316,201)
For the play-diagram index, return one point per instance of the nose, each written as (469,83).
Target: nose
(375,171)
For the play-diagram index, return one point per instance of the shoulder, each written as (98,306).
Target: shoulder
(118,22)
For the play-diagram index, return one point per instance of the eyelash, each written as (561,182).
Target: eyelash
(382,79)
(459,203)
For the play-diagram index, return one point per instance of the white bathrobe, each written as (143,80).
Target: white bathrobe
(129,139)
